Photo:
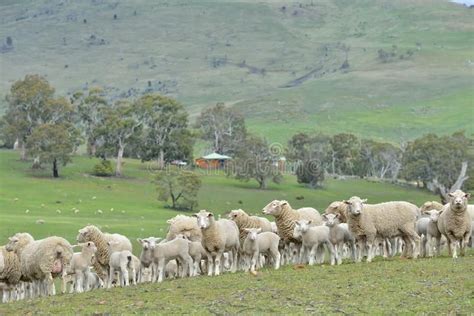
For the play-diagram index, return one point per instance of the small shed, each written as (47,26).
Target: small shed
(212,161)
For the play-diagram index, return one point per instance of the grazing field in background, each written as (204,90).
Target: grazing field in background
(437,286)
(129,204)
(409,66)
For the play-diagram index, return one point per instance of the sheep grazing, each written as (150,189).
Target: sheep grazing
(165,251)
(314,238)
(243,221)
(80,267)
(186,225)
(432,231)
(455,223)
(100,239)
(10,274)
(385,220)
(218,236)
(339,235)
(41,260)
(286,217)
(257,243)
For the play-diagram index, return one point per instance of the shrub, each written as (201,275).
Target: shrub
(103,168)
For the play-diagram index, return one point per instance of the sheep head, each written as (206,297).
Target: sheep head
(275,207)
(235,215)
(301,227)
(355,205)
(204,219)
(331,220)
(458,200)
(434,215)
(18,241)
(252,233)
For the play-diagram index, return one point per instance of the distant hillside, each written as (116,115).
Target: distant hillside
(386,69)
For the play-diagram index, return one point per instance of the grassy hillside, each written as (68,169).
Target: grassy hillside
(278,61)
(424,286)
(129,205)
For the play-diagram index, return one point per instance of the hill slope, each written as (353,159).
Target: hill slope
(281,63)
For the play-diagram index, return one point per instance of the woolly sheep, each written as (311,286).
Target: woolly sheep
(339,235)
(80,266)
(10,273)
(286,216)
(432,231)
(421,227)
(218,237)
(146,257)
(186,225)
(313,239)
(386,220)
(243,220)
(258,242)
(120,261)
(100,239)
(41,260)
(196,251)
(169,250)
(455,223)
(430,205)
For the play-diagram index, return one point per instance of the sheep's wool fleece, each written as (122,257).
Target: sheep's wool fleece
(185,225)
(458,223)
(287,218)
(38,257)
(246,221)
(11,273)
(384,219)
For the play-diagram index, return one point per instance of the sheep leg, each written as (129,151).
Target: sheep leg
(111,277)
(160,270)
(235,260)
(217,263)
(370,250)
(276,258)
(253,262)
(312,254)
(332,252)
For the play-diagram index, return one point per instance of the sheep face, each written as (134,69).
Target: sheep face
(204,219)
(301,227)
(83,235)
(355,205)
(253,233)
(275,207)
(458,200)
(12,243)
(434,215)
(236,214)
(90,246)
(18,241)
(331,219)
(426,206)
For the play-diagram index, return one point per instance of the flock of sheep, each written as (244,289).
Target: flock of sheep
(204,244)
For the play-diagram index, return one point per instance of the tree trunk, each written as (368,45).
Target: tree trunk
(22,151)
(262,183)
(16,144)
(118,168)
(55,169)
(92,149)
(161,161)
(443,191)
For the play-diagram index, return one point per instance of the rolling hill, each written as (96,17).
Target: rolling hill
(390,70)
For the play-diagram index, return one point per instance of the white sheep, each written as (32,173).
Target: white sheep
(313,239)
(80,267)
(146,257)
(121,262)
(41,260)
(243,220)
(10,274)
(455,222)
(100,239)
(169,250)
(370,222)
(339,235)
(257,243)
(186,225)
(421,228)
(432,231)
(218,236)
(196,251)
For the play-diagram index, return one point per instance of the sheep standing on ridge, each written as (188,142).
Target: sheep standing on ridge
(243,221)
(100,239)
(166,251)
(186,225)
(314,238)
(339,235)
(10,274)
(218,236)
(196,251)
(455,222)
(257,243)
(80,267)
(432,231)
(146,257)
(384,220)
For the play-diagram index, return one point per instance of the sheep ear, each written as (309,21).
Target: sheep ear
(364,201)
(283,202)
(140,240)
(247,230)
(427,212)
(309,222)
(324,216)
(346,202)
(337,215)
(450,194)
(210,215)
(259,230)
(467,195)
(440,211)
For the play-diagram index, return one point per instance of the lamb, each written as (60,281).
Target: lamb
(165,251)
(100,239)
(421,228)
(432,231)
(339,235)
(10,274)
(120,261)
(146,257)
(243,220)
(218,236)
(258,242)
(286,217)
(185,225)
(80,266)
(41,260)
(455,223)
(384,220)
(196,251)
(314,238)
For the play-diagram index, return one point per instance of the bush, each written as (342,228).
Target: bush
(103,169)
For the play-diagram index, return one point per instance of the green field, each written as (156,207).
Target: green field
(195,51)
(129,204)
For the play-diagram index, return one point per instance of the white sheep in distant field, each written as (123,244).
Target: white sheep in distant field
(243,221)
(313,239)
(100,239)
(339,235)
(257,243)
(455,222)
(80,267)
(369,222)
